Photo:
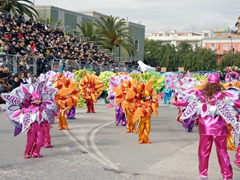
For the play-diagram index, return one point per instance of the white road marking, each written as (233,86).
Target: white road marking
(92,137)
(103,160)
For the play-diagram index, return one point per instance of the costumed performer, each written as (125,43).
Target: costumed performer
(91,88)
(28,107)
(46,125)
(189,85)
(170,80)
(167,95)
(105,76)
(67,96)
(213,107)
(122,98)
(143,113)
(71,113)
(114,81)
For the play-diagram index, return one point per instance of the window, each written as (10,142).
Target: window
(212,47)
(231,47)
(136,43)
(225,47)
(239,48)
(206,35)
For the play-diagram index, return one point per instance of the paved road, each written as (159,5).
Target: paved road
(94,148)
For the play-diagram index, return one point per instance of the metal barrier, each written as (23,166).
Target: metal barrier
(17,63)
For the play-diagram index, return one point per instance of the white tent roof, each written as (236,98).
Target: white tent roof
(144,67)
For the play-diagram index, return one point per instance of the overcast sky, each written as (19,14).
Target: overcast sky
(157,15)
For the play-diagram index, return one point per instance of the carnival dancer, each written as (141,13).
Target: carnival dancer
(71,113)
(130,95)
(88,99)
(29,106)
(114,81)
(144,125)
(91,88)
(179,111)
(67,96)
(35,131)
(167,95)
(190,83)
(120,115)
(170,81)
(212,106)
(46,125)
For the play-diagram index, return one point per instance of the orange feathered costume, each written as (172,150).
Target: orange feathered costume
(140,99)
(91,88)
(67,96)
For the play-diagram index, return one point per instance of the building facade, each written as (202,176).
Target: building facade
(220,40)
(71,18)
(223,45)
(175,37)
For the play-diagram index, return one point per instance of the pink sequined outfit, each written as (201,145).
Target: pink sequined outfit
(237,161)
(34,141)
(213,129)
(46,134)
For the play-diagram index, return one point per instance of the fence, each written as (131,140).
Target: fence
(17,63)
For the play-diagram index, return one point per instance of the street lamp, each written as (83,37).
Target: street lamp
(231,47)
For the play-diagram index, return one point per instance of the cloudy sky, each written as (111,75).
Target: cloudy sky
(157,15)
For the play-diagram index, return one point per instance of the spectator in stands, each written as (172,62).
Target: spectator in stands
(21,78)
(29,78)
(6,72)
(2,88)
(4,85)
(30,38)
(1,72)
(15,82)
(41,64)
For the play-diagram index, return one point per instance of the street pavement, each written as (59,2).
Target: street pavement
(95,148)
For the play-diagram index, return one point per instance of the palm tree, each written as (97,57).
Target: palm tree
(114,32)
(58,23)
(19,6)
(88,30)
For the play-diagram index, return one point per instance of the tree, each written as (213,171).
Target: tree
(151,52)
(19,6)
(114,32)
(89,30)
(183,55)
(230,59)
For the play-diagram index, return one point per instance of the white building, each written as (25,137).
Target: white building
(175,37)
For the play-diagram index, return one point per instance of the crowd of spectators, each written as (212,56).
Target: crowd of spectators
(33,40)
(8,82)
